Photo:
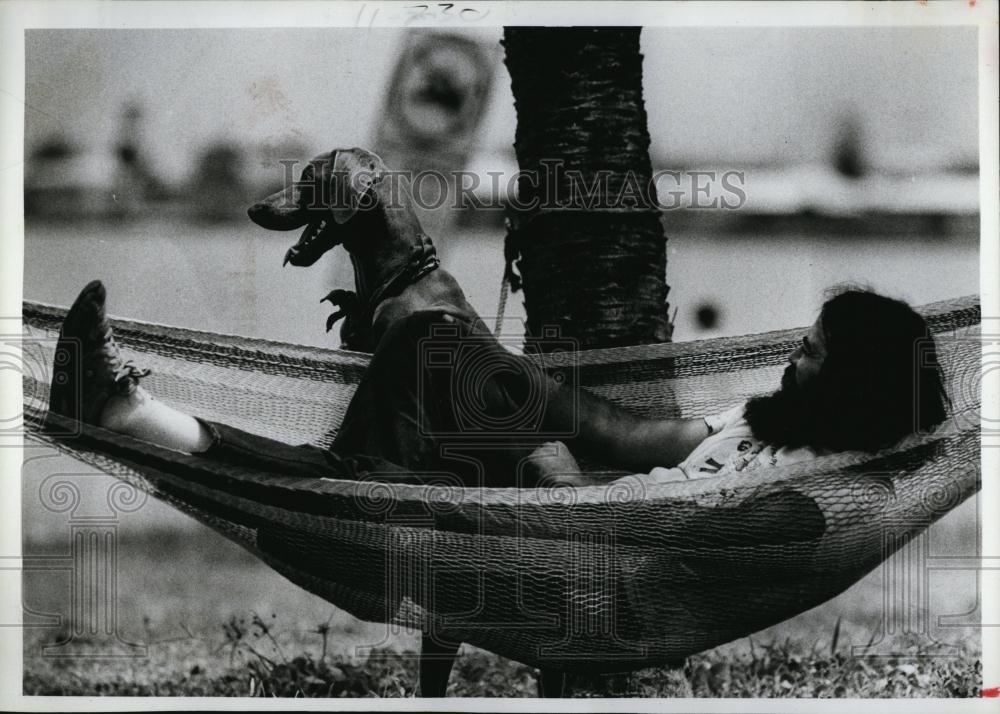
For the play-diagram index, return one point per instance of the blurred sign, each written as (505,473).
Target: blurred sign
(435,102)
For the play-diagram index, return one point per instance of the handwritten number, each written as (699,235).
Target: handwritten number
(443,10)
(417,15)
(474,14)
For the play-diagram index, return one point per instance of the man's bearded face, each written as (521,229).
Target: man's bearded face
(788,416)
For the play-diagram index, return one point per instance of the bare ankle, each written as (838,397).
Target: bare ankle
(120,410)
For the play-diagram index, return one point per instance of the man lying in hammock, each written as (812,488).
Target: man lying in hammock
(854,383)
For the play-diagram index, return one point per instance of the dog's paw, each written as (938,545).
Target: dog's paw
(341,298)
(344,299)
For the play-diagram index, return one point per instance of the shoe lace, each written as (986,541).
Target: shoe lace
(123,370)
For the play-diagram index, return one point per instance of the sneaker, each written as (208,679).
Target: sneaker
(88,368)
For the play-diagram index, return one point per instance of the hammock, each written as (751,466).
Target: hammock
(603,578)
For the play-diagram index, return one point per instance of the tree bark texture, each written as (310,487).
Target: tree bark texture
(585,233)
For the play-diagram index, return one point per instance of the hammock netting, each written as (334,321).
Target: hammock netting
(602,578)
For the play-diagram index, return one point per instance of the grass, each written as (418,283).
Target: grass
(257,667)
(217,622)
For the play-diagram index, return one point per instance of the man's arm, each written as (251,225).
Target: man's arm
(617,437)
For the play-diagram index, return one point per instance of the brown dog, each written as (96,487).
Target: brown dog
(349,197)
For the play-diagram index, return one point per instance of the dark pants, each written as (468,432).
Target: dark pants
(439,403)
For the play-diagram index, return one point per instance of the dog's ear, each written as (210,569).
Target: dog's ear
(355,171)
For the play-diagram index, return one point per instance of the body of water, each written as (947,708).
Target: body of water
(228,278)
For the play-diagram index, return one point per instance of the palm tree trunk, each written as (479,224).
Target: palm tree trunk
(586,235)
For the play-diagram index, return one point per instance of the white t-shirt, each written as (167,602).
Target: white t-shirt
(730,447)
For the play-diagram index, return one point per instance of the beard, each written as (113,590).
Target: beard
(786,418)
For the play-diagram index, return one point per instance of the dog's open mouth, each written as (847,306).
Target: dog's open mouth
(316,239)
(299,205)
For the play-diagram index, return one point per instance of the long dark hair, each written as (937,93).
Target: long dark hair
(880,380)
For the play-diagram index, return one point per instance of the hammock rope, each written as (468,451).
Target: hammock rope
(601,578)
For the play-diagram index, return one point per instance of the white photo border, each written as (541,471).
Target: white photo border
(16,17)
